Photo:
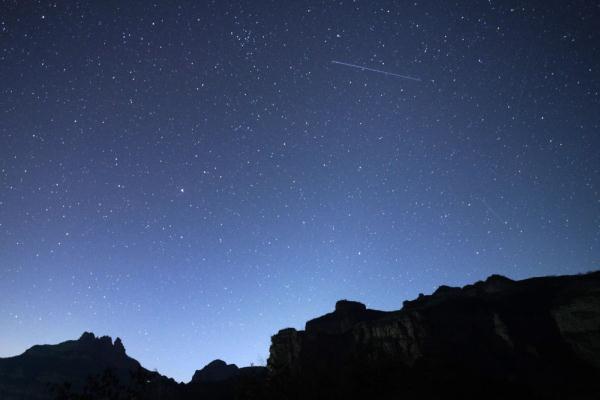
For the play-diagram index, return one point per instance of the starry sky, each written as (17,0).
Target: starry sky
(193,176)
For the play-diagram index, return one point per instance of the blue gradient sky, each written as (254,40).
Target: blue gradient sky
(194,176)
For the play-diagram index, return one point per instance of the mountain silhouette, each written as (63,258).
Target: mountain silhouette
(495,339)
(44,369)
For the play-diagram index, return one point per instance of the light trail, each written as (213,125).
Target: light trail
(412,78)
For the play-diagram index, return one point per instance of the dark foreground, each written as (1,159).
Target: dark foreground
(537,338)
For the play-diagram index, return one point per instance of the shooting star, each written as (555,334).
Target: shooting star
(494,213)
(412,78)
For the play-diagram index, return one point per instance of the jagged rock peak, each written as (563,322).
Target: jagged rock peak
(87,337)
(118,345)
(348,307)
(105,340)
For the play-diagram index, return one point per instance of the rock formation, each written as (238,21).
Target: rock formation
(215,371)
(498,338)
(538,338)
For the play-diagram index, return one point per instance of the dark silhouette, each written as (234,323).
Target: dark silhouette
(538,338)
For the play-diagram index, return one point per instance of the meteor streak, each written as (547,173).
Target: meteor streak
(376,70)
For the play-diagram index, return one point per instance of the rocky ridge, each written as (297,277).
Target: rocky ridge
(495,339)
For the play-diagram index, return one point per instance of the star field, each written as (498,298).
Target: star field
(194,176)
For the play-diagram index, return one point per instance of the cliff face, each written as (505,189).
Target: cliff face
(537,337)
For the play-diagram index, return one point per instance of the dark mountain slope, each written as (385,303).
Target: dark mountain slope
(537,339)
(43,369)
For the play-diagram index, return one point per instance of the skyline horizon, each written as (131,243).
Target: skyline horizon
(261,361)
(193,176)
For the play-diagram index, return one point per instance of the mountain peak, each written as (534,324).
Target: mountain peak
(87,337)
(90,339)
(215,371)
(118,346)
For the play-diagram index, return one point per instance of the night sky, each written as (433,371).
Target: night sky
(195,176)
